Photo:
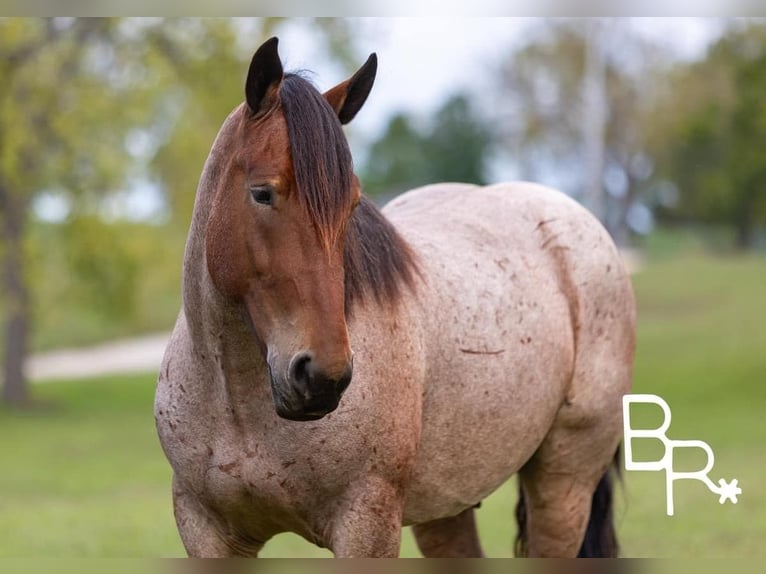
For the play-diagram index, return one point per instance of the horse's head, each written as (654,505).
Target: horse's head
(276,231)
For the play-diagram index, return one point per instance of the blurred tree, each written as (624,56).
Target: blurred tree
(460,142)
(106,272)
(543,111)
(87,106)
(397,161)
(59,130)
(453,147)
(205,67)
(712,134)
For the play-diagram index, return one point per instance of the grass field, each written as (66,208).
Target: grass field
(83,475)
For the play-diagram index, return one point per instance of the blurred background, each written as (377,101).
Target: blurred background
(656,125)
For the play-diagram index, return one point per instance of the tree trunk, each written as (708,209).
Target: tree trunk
(595,119)
(15,300)
(745,222)
(745,233)
(620,229)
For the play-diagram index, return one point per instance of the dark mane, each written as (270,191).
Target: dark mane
(377,260)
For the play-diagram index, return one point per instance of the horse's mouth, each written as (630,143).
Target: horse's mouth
(293,407)
(301,414)
(300,417)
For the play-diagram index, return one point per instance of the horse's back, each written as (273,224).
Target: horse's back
(520,281)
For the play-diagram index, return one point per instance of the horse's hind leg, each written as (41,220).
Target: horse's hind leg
(557,495)
(453,537)
(566,484)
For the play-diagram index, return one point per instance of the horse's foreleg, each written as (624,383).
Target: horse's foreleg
(199,533)
(369,524)
(453,537)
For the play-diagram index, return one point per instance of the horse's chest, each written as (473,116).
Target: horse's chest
(242,476)
(259,491)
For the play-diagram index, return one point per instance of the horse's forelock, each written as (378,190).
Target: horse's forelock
(321,156)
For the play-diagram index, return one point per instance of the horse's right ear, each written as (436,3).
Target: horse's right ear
(348,97)
(264,77)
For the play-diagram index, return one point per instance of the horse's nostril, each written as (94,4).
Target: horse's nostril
(312,384)
(300,370)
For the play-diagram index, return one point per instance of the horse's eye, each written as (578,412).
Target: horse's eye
(263,194)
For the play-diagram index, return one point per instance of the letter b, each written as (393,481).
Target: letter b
(665,463)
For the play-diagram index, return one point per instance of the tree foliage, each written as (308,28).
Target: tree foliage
(542,112)
(66,99)
(712,136)
(454,147)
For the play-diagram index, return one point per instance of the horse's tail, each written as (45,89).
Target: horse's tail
(600,536)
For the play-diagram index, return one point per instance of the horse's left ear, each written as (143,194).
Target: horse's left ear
(265,73)
(348,97)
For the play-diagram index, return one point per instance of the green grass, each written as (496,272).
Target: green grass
(702,347)
(84,475)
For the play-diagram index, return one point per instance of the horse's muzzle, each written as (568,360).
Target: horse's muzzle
(309,393)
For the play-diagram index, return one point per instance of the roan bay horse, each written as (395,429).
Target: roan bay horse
(477,332)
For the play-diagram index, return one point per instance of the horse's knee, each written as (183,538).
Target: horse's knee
(369,523)
(452,537)
(200,535)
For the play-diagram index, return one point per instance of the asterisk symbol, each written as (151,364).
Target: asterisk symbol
(728,491)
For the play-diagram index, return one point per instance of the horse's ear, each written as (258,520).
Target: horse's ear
(264,76)
(348,97)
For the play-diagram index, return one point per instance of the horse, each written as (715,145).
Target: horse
(340,371)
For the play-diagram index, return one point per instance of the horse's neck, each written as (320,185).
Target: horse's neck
(218,333)
(231,374)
